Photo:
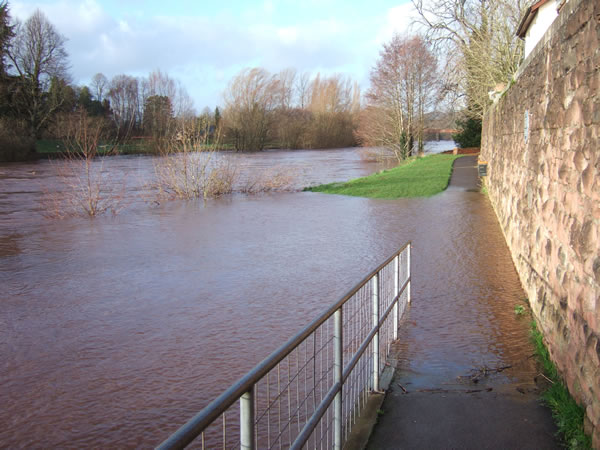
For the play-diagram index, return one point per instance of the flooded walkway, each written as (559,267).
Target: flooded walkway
(465,376)
(115,331)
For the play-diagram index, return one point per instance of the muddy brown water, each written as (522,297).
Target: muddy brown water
(114,331)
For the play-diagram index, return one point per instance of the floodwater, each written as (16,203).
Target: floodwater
(439,146)
(114,331)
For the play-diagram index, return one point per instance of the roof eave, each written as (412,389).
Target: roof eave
(528,18)
(525,22)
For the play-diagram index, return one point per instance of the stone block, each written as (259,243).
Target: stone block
(596,269)
(590,40)
(574,115)
(580,161)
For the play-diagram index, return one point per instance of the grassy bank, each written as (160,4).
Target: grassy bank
(422,177)
(567,414)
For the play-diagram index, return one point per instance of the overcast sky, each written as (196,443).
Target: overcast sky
(204,44)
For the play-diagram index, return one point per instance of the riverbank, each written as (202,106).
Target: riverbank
(420,177)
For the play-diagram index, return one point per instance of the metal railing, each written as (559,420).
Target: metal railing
(310,391)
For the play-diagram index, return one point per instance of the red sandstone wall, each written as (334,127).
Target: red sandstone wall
(546,192)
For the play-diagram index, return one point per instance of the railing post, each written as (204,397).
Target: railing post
(376,336)
(408,271)
(247,421)
(396,292)
(338,363)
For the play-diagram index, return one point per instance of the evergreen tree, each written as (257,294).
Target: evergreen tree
(6,35)
(217,117)
(470,134)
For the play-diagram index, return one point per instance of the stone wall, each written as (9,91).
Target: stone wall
(541,140)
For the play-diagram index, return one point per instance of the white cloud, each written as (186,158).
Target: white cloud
(288,35)
(206,52)
(124,27)
(399,19)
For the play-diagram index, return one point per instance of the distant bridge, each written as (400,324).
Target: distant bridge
(439,134)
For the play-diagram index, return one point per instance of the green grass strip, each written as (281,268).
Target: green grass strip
(421,177)
(567,414)
(50,146)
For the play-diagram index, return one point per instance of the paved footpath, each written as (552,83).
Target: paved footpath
(433,401)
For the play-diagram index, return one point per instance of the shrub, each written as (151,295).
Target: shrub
(15,145)
(470,134)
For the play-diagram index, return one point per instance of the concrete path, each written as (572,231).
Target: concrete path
(428,407)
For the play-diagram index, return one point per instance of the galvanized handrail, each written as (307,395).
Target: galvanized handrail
(242,390)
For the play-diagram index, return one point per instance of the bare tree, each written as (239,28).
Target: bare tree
(403,86)
(124,99)
(161,84)
(38,55)
(183,103)
(249,101)
(290,111)
(99,85)
(478,37)
(303,90)
(333,94)
(290,128)
(284,88)
(88,189)
(160,99)
(333,103)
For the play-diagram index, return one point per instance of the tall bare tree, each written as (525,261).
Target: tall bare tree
(290,111)
(284,83)
(124,99)
(162,85)
(333,103)
(99,86)
(404,85)
(303,90)
(38,55)
(249,101)
(480,43)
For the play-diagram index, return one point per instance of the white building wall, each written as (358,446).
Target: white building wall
(542,21)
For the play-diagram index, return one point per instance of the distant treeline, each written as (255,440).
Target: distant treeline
(261,110)
(38,101)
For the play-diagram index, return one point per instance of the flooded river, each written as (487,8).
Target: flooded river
(114,331)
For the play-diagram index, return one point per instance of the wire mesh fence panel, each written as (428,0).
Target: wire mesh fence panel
(356,390)
(322,436)
(290,393)
(288,399)
(223,433)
